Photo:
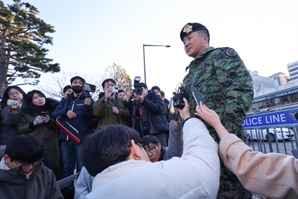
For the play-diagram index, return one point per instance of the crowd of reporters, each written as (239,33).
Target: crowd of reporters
(146,111)
(35,114)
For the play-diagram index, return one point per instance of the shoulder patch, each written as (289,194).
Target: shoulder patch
(231,52)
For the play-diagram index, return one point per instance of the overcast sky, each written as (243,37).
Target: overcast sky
(91,35)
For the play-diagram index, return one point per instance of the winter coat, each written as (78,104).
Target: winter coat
(9,123)
(194,175)
(83,112)
(41,184)
(48,133)
(272,174)
(103,110)
(154,106)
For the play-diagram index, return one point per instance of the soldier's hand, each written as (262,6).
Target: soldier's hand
(115,110)
(87,101)
(70,114)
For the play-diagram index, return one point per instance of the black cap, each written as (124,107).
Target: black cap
(77,77)
(66,88)
(191,27)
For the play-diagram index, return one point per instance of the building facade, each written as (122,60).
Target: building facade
(293,71)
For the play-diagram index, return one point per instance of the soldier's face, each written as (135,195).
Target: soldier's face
(194,44)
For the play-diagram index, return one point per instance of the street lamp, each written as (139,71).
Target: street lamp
(167,46)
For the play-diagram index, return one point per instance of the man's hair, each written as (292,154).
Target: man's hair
(121,91)
(142,84)
(66,88)
(25,149)
(155,87)
(204,32)
(149,138)
(162,93)
(107,146)
(77,77)
(108,80)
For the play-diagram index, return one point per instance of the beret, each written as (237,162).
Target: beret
(190,28)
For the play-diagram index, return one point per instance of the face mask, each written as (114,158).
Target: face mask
(77,89)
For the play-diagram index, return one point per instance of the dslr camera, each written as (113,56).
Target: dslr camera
(178,97)
(137,88)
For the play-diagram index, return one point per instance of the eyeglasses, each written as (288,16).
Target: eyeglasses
(27,165)
(152,149)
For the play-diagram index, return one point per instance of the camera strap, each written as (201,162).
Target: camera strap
(140,111)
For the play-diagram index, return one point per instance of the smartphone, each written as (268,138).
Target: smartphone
(13,102)
(44,113)
(198,97)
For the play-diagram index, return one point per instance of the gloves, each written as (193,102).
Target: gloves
(38,120)
(46,119)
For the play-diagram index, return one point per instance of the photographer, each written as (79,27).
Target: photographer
(154,121)
(77,106)
(110,108)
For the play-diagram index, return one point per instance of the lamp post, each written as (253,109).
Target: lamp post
(167,46)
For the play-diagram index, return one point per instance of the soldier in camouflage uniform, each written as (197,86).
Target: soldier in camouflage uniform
(226,86)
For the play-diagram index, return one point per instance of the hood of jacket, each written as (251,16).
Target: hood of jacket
(32,110)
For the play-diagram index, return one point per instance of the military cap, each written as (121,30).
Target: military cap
(190,28)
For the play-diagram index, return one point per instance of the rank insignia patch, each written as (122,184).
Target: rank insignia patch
(231,52)
(187,28)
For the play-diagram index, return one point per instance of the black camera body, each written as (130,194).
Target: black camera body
(178,97)
(137,88)
(89,87)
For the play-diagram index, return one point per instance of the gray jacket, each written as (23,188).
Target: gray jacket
(41,184)
(9,123)
(175,143)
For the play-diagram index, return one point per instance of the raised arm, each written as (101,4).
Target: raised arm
(272,174)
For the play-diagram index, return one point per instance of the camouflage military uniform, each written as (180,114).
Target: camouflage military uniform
(226,86)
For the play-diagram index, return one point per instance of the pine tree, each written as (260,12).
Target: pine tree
(22,37)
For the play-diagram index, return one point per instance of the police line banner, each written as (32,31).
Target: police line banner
(271,119)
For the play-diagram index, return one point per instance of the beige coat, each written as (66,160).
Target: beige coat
(272,174)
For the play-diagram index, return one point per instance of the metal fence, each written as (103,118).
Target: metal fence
(273,139)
